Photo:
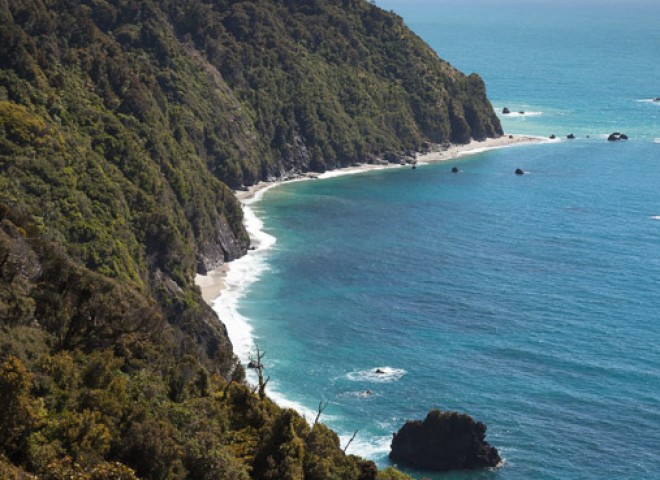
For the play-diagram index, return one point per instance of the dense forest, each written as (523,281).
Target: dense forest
(124,127)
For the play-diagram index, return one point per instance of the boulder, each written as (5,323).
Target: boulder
(454,169)
(617,136)
(519,171)
(521,112)
(444,441)
(656,99)
(570,136)
(506,111)
(553,136)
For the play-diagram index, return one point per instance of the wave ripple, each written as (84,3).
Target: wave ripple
(377,375)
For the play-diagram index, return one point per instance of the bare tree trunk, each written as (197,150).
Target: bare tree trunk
(322,406)
(350,441)
(255,362)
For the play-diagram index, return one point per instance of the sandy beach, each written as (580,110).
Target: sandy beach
(213,283)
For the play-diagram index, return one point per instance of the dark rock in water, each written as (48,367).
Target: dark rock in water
(616,136)
(506,111)
(510,136)
(521,112)
(454,169)
(570,136)
(254,364)
(519,171)
(588,136)
(379,371)
(444,441)
(414,166)
(553,136)
(656,99)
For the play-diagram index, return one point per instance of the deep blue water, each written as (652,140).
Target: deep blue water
(530,302)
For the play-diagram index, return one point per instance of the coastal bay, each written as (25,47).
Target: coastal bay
(213,282)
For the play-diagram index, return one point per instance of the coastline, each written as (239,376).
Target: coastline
(437,154)
(214,283)
(224,287)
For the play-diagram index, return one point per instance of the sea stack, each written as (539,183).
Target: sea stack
(506,111)
(444,441)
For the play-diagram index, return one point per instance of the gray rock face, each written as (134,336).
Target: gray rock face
(444,441)
(225,248)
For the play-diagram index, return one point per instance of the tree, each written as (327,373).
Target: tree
(19,414)
(256,363)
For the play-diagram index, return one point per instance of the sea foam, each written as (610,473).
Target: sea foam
(240,275)
(372,447)
(377,375)
(523,114)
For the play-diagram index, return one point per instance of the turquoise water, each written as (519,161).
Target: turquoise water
(529,302)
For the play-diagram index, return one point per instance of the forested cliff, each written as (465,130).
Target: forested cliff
(124,127)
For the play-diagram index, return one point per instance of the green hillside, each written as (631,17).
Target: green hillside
(124,127)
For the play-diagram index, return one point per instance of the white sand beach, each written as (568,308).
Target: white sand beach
(212,283)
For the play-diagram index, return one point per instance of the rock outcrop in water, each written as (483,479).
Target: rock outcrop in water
(616,136)
(444,441)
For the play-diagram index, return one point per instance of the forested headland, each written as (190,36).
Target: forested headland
(124,127)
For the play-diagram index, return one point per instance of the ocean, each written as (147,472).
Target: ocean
(529,302)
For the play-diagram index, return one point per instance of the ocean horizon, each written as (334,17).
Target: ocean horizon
(528,302)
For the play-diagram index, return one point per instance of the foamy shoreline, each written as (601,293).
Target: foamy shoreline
(439,154)
(224,287)
(213,284)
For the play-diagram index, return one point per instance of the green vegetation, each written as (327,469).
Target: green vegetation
(124,125)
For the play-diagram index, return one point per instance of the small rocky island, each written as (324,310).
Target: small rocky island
(444,441)
(617,136)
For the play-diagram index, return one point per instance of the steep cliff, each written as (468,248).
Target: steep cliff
(124,126)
